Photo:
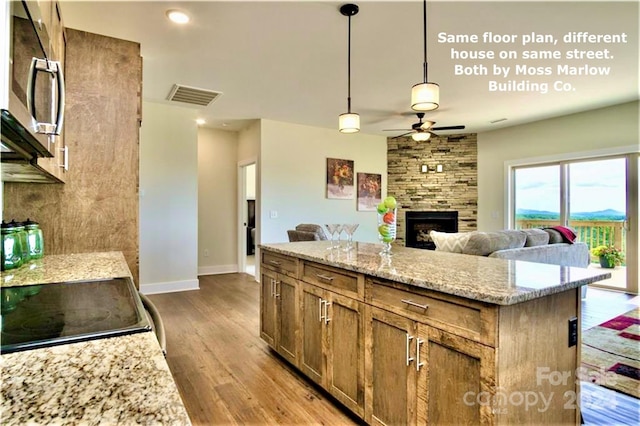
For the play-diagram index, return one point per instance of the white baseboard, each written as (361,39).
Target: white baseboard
(217,269)
(170,287)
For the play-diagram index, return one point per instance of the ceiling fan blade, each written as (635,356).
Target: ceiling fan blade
(402,135)
(448,128)
(397,130)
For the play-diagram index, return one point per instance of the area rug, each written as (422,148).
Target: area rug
(611,354)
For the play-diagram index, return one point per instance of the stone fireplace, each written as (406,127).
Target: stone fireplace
(419,224)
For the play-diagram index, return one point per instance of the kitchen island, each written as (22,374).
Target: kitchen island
(427,337)
(117,380)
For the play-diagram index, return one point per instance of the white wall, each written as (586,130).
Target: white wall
(168,199)
(292,170)
(603,129)
(217,207)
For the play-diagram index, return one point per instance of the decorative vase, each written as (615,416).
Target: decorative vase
(604,263)
(387,229)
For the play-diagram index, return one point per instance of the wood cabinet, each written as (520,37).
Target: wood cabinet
(279,313)
(332,338)
(399,354)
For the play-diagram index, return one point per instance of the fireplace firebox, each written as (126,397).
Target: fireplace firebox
(419,224)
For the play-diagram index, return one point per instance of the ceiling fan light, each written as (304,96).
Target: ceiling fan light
(425,97)
(349,122)
(421,136)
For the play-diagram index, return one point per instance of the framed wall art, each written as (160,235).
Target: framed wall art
(369,191)
(340,179)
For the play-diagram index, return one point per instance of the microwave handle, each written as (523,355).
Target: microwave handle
(51,67)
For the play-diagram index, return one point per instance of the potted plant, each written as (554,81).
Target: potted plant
(609,256)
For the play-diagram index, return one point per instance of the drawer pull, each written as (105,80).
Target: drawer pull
(409,359)
(275,262)
(417,305)
(324,277)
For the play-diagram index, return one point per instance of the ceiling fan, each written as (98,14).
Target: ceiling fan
(422,130)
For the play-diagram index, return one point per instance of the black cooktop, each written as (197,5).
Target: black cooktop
(38,316)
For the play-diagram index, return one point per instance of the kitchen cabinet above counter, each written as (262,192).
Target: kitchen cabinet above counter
(495,281)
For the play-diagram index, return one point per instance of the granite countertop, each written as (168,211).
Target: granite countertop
(68,267)
(496,281)
(117,380)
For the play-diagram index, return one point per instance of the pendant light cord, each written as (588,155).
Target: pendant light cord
(349,70)
(424,20)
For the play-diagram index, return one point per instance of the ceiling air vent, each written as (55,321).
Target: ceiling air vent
(192,95)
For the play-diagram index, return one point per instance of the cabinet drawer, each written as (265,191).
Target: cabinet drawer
(466,318)
(337,280)
(280,263)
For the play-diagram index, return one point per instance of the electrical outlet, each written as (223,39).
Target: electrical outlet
(573,331)
(206,253)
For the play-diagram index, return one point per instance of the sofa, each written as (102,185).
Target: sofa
(307,232)
(531,245)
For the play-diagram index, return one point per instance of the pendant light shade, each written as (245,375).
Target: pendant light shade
(349,122)
(421,136)
(425,96)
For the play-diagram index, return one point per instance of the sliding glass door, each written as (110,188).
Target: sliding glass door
(597,198)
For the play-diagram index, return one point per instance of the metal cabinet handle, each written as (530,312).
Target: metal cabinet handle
(274,262)
(65,158)
(320,310)
(417,305)
(275,286)
(326,312)
(409,338)
(419,364)
(273,292)
(324,277)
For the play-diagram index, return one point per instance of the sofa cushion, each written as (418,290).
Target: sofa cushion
(536,237)
(485,243)
(555,237)
(452,242)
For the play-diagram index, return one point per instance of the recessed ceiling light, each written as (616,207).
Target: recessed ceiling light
(498,120)
(178,16)
(200,121)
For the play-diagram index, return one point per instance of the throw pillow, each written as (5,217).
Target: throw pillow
(452,242)
(485,243)
(536,237)
(555,237)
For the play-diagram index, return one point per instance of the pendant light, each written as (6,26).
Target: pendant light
(425,96)
(349,122)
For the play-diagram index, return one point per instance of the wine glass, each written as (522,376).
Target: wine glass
(332,230)
(350,229)
(339,229)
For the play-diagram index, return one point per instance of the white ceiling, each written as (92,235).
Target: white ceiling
(287,61)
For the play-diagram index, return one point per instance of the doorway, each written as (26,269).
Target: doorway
(248,226)
(597,197)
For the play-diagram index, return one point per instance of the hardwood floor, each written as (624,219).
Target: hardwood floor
(227,375)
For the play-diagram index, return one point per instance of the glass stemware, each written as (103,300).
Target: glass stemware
(350,229)
(339,229)
(331,228)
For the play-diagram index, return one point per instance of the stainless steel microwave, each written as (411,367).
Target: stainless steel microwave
(35,112)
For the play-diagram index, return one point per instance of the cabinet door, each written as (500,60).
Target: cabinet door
(312,331)
(460,379)
(268,307)
(345,351)
(390,373)
(286,317)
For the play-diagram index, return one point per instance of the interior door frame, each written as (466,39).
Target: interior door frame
(631,154)
(241,219)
